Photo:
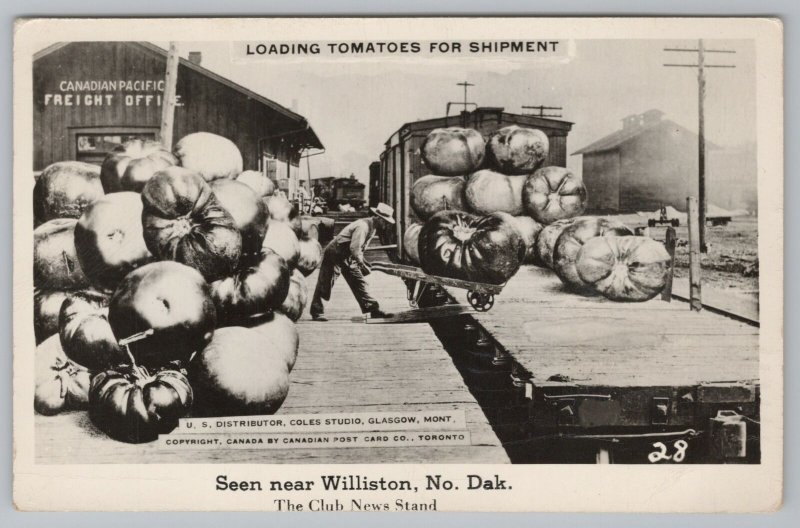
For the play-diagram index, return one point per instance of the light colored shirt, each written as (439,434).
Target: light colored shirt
(357,235)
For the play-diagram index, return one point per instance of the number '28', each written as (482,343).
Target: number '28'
(662,452)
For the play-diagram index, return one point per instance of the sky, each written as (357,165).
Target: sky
(355,105)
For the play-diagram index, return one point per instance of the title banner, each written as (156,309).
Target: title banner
(518,48)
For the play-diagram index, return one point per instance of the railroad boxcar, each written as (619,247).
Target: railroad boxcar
(347,191)
(401,163)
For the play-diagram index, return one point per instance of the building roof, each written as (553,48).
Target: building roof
(615,139)
(628,132)
(312,139)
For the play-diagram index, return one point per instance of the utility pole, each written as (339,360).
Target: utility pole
(701,139)
(701,144)
(168,102)
(695,284)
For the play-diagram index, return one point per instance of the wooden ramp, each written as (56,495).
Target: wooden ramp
(558,335)
(342,367)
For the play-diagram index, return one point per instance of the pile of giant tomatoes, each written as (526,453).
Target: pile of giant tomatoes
(484,202)
(165,287)
(490,205)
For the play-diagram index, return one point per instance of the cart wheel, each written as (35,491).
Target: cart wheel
(482,302)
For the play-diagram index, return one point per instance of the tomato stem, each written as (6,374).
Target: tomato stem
(140,373)
(463,232)
(182,226)
(67,261)
(136,369)
(130,355)
(63,390)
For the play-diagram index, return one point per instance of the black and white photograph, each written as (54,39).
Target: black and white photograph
(480,248)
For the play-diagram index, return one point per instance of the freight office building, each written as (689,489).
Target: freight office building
(91,96)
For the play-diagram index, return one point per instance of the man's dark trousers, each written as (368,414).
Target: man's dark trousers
(336,260)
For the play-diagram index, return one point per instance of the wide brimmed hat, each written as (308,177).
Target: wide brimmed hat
(384,211)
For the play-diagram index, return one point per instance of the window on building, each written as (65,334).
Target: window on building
(282,176)
(94,147)
(270,165)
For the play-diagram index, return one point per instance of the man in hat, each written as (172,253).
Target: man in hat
(345,255)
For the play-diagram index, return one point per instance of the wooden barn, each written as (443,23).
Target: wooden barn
(401,162)
(653,161)
(91,96)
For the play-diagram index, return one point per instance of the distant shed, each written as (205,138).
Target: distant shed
(649,162)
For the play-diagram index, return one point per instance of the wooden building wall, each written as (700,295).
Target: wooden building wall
(207,105)
(601,172)
(658,166)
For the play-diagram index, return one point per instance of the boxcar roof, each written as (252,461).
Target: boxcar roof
(506,119)
(311,136)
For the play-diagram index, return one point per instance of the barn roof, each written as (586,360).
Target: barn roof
(627,133)
(615,139)
(311,137)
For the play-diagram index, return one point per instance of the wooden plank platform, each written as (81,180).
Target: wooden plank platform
(343,367)
(416,315)
(556,334)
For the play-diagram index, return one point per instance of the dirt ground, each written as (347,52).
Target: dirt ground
(732,259)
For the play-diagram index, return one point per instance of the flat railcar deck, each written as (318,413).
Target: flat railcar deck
(557,335)
(568,378)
